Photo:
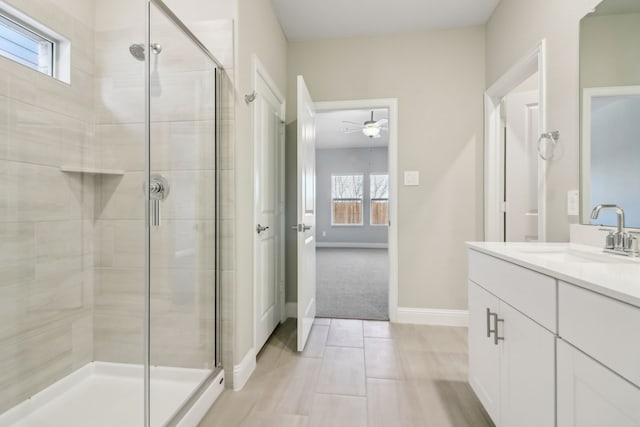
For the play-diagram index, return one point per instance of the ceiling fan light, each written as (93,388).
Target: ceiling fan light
(371,131)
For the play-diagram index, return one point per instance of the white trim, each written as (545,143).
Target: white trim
(292,310)
(242,371)
(585,146)
(426,316)
(196,413)
(392,105)
(351,245)
(259,71)
(534,61)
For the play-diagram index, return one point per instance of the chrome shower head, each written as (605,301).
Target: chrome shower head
(137,50)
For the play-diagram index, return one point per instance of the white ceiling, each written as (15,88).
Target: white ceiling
(330,129)
(327,19)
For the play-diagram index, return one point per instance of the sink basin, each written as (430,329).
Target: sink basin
(570,255)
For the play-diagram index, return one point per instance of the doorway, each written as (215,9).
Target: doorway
(520,118)
(268,107)
(529,219)
(352,213)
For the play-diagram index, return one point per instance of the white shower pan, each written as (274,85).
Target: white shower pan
(112,394)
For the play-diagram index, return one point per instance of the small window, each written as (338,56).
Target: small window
(25,46)
(379,192)
(346,199)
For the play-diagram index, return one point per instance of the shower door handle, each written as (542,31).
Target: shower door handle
(158,191)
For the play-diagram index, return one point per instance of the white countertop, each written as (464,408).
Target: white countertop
(619,278)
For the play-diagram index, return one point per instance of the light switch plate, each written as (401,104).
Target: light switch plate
(573,203)
(411,178)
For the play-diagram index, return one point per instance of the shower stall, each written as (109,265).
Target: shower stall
(109,295)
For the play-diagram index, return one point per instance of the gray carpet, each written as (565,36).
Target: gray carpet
(352,283)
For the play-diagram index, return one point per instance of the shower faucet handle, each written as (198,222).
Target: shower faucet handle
(158,191)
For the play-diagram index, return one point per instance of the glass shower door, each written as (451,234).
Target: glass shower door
(182,216)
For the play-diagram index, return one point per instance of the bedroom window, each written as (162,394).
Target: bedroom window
(379,199)
(346,199)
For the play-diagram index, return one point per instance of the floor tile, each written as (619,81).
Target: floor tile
(338,411)
(355,373)
(376,329)
(291,387)
(451,404)
(267,419)
(231,409)
(316,341)
(322,321)
(345,333)
(342,372)
(393,403)
(429,365)
(382,359)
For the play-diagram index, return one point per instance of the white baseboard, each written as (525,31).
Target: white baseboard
(292,310)
(242,372)
(351,245)
(425,316)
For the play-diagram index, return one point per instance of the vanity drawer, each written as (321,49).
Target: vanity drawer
(531,293)
(606,329)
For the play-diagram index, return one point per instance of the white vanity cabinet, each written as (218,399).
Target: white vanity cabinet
(512,342)
(598,360)
(591,395)
(567,352)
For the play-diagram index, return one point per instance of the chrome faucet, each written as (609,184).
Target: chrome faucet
(621,242)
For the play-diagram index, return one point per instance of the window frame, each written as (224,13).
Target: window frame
(362,198)
(59,49)
(371,200)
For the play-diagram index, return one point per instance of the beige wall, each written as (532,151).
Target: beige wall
(609,53)
(438,78)
(513,30)
(257,32)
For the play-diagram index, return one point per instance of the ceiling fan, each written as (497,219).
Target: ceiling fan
(370,128)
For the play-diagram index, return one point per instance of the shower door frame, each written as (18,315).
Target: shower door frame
(197,393)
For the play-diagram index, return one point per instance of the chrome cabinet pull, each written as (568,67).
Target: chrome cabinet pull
(301,227)
(496,320)
(489,330)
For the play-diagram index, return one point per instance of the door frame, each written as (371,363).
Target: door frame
(528,65)
(392,105)
(259,71)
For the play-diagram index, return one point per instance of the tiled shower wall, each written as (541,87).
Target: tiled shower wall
(46,255)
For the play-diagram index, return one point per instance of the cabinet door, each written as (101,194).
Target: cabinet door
(527,371)
(484,355)
(590,395)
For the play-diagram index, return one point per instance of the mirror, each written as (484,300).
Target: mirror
(610,110)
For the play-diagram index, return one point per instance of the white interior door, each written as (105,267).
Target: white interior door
(306,213)
(521,166)
(267,128)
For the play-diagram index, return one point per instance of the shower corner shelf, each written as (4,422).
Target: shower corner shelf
(92,171)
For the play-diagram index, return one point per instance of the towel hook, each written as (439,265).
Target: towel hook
(552,136)
(248,99)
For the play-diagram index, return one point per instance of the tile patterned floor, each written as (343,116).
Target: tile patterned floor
(357,373)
